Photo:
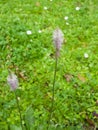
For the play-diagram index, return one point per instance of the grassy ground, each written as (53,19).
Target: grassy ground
(31,57)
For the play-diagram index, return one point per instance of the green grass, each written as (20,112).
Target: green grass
(31,57)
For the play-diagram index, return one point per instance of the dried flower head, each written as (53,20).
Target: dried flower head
(12,81)
(58,38)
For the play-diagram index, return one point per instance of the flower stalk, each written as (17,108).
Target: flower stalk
(18,107)
(53,88)
(13,83)
(58,40)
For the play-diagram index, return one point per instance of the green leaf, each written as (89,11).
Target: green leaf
(14,127)
(29,118)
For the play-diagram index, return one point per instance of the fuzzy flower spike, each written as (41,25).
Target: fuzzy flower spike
(12,81)
(58,39)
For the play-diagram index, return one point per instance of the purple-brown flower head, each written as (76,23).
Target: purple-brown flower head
(12,81)
(58,39)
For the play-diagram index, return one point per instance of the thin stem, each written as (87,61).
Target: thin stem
(53,91)
(19,110)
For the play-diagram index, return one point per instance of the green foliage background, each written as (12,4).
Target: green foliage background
(31,57)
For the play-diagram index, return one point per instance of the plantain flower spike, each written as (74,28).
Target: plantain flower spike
(12,81)
(58,38)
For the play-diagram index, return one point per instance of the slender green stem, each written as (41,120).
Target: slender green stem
(53,91)
(19,110)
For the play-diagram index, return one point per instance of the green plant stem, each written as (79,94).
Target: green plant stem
(53,91)
(19,110)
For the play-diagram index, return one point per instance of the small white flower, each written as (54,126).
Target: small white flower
(77,8)
(29,32)
(39,31)
(50,0)
(45,8)
(86,55)
(67,23)
(66,17)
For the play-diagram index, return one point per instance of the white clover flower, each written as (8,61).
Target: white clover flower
(77,8)
(12,81)
(66,17)
(86,55)
(45,8)
(39,31)
(29,32)
(67,23)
